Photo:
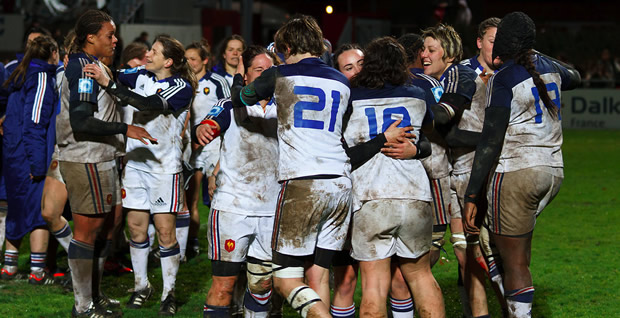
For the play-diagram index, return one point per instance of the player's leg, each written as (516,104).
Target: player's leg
(441,205)
(401,302)
(182,229)
(345,281)
(138,222)
(3,210)
(11,256)
(39,238)
(375,286)
(412,246)
(258,295)
(516,253)
(53,203)
(193,197)
(170,258)
(103,247)
(317,277)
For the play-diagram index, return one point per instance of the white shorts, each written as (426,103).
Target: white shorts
(232,236)
(53,171)
(159,193)
(458,184)
(382,228)
(205,158)
(312,213)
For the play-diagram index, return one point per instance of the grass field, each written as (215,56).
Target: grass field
(575,258)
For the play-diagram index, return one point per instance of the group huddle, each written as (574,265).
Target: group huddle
(355,161)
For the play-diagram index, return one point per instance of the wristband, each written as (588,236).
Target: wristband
(214,127)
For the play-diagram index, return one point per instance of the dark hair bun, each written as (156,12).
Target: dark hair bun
(515,33)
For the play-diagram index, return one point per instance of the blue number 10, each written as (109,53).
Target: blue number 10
(300,106)
(550,87)
(387,119)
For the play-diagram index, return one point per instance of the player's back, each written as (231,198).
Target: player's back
(311,100)
(534,135)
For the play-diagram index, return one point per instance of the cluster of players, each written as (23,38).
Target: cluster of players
(359,167)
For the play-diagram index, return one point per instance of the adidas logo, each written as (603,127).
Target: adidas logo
(159,202)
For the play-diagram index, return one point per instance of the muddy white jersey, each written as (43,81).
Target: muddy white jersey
(534,135)
(472,119)
(381,177)
(77,87)
(247,182)
(163,156)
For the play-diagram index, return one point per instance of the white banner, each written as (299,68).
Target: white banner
(591,109)
(11,32)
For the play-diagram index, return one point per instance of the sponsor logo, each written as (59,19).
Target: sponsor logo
(159,202)
(85,85)
(109,199)
(229,245)
(159,90)
(206,91)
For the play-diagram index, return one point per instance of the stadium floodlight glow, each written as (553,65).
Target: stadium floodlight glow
(329,9)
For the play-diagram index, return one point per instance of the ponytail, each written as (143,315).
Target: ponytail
(524,59)
(41,48)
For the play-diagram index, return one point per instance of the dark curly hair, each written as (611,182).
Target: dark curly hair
(413,45)
(384,63)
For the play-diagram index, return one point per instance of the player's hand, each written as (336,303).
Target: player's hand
(95,72)
(400,150)
(1,125)
(211,186)
(205,134)
(139,133)
(395,134)
(469,218)
(240,67)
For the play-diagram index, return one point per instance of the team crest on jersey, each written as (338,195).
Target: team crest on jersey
(229,245)
(85,85)
(216,110)
(206,91)
(109,199)
(54,165)
(159,90)
(123,193)
(437,92)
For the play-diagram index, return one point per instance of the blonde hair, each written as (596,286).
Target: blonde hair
(449,39)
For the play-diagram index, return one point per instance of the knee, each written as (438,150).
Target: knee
(347,283)
(166,236)
(259,277)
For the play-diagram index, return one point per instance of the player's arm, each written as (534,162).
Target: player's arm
(261,88)
(214,124)
(361,153)
(462,138)
(457,95)
(40,99)
(570,75)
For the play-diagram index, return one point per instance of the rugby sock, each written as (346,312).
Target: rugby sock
(520,302)
(3,210)
(256,306)
(64,236)
(37,261)
(343,312)
(102,250)
(81,264)
(402,308)
(495,275)
(10,257)
(209,311)
(170,258)
(139,252)
(182,230)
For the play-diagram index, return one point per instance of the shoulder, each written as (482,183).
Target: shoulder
(217,79)
(312,67)
(135,70)
(465,72)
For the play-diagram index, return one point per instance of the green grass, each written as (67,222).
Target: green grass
(575,258)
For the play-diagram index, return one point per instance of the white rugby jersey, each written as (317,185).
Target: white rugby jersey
(437,165)
(534,136)
(381,177)
(311,98)
(165,155)
(472,119)
(211,88)
(81,147)
(247,182)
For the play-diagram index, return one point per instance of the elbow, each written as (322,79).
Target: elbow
(78,124)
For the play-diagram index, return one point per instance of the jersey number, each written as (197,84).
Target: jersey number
(551,87)
(300,106)
(399,112)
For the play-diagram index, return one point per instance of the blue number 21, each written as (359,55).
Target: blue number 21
(300,106)
(551,87)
